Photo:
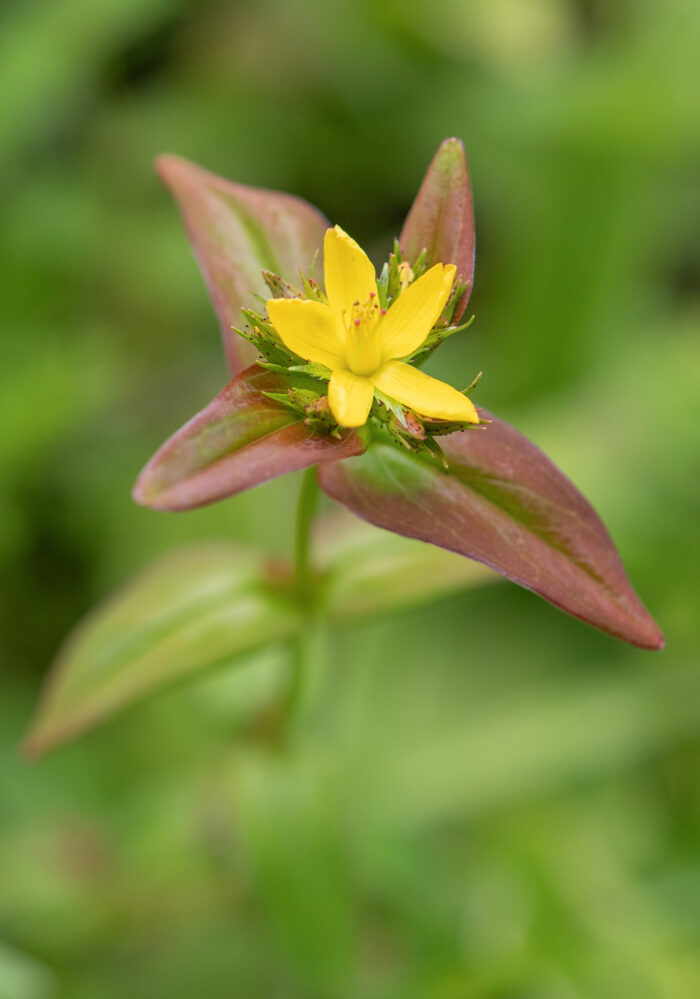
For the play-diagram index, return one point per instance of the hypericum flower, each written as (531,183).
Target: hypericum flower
(362,343)
(418,469)
(490,496)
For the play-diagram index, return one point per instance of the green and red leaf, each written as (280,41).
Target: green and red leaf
(242,438)
(503,503)
(441,219)
(236,232)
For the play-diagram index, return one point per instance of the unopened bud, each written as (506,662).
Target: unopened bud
(405,275)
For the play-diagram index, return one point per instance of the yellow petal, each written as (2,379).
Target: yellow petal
(350,397)
(348,271)
(309,329)
(414,313)
(426,395)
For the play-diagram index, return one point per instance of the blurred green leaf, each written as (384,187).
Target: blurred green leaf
(519,747)
(370,572)
(195,609)
(69,39)
(23,977)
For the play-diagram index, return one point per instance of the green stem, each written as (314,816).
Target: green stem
(302,644)
(306,509)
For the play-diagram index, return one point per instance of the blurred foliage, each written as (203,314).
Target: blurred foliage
(492,800)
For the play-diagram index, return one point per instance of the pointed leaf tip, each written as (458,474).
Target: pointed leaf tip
(441,219)
(236,232)
(503,503)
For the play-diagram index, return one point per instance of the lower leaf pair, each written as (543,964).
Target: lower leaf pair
(213,605)
(500,500)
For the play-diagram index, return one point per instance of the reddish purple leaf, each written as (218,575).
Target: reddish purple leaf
(505,504)
(441,219)
(237,232)
(240,439)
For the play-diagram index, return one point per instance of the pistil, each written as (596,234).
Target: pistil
(363,351)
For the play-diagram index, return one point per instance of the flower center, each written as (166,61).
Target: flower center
(364,349)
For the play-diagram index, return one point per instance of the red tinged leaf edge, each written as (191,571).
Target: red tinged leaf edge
(241,439)
(505,504)
(441,219)
(236,232)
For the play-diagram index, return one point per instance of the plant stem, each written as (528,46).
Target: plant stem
(306,508)
(302,644)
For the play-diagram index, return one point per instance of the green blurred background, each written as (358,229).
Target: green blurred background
(495,801)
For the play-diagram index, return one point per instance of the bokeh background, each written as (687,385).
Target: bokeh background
(494,801)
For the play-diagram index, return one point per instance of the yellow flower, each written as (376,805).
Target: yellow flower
(362,343)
